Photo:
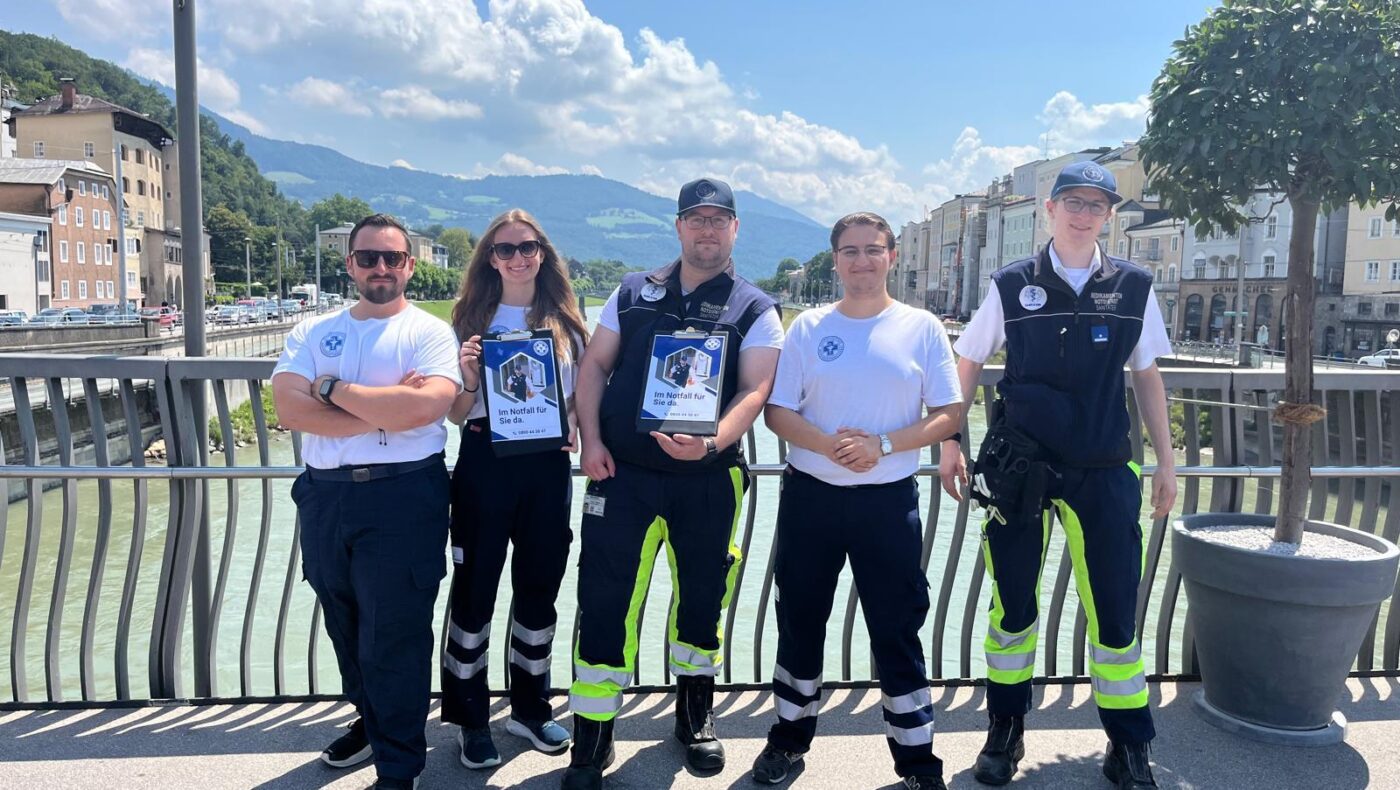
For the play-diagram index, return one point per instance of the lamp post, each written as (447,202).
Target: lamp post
(248,267)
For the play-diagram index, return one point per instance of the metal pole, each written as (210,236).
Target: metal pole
(121,228)
(1239,289)
(248,267)
(285,252)
(318,268)
(192,248)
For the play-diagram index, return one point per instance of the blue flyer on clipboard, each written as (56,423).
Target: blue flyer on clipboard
(520,380)
(684,382)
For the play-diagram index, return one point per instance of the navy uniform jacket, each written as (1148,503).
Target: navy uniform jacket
(725,303)
(1065,355)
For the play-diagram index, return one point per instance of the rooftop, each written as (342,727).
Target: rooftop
(45,171)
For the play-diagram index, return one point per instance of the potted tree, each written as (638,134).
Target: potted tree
(1301,99)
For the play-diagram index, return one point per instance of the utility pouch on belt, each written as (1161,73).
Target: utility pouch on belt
(1010,478)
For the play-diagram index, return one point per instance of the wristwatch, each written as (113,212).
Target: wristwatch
(711,449)
(886,446)
(327,387)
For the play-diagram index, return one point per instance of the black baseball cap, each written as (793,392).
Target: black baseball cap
(705,192)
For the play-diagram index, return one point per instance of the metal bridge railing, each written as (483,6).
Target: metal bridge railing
(130,578)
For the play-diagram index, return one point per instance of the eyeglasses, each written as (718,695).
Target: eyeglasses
(872,252)
(505,250)
(698,222)
(1074,205)
(368,259)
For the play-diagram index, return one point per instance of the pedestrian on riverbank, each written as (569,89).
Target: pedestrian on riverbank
(368,388)
(515,281)
(649,488)
(1071,318)
(849,492)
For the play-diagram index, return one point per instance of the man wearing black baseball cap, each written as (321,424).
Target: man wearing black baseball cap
(650,488)
(1070,318)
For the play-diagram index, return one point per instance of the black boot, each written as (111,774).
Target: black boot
(695,722)
(592,753)
(1129,765)
(1005,747)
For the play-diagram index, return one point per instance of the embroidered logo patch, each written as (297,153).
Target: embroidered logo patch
(710,312)
(1106,303)
(1093,173)
(333,343)
(712,344)
(541,348)
(653,292)
(1033,297)
(830,348)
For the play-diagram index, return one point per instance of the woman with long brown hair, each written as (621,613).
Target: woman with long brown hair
(515,281)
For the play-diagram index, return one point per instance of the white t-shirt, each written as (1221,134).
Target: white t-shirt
(985,334)
(376,352)
(876,374)
(766,331)
(510,318)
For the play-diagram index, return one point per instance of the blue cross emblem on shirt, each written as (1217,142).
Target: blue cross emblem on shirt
(332,344)
(830,348)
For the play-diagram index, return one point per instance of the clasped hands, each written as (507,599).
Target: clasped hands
(853,448)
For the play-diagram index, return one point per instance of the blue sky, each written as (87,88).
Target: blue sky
(897,107)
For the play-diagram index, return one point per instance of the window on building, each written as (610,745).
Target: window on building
(1137,245)
(38,149)
(106,220)
(1171,273)
(1200,266)
(106,195)
(1395,228)
(78,215)
(1395,271)
(141,219)
(82,289)
(63,215)
(1363,308)
(82,252)
(89,150)
(63,253)
(130,279)
(126,184)
(1373,271)
(1271,227)
(1122,246)
(111,291)
(1157,274)
(140,156)
(1375,230)
(63,186)
(82,188)
(1269,265)
(124,155)
(63,290)
(1175,241)
(140,187)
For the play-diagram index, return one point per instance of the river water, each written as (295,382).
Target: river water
(753,645)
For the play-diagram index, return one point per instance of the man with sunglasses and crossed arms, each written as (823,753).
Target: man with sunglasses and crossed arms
(682,490)
(1071,318)
(368,387)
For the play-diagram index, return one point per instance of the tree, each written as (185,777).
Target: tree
(459,243)
(227,230)
(1302,98)
(336,210)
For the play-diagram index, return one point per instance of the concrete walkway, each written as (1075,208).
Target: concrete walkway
(275,746)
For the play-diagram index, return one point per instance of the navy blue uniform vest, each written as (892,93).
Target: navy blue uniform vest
(1065,355)
(725,303)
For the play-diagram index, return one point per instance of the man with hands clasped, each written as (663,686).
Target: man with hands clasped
(849,491)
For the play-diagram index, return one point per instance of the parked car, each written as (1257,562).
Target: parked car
(291,306)
(12,318)
(233,314)
(1386,357)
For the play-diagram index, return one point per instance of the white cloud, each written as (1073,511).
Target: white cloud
(1073,125)
(415,101)
(117,20)
(317,92)
(513,164)
(972,164)
(404,163)
(217,90)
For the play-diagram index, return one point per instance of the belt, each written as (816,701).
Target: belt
(905,481)
(368,472)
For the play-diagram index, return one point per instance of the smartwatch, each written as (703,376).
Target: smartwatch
(327,387)
(711,449)
(886,446)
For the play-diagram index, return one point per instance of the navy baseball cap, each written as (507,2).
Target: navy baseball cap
(705,192)
(1087,174)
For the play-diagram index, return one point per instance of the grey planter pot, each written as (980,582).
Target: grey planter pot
(1276,635)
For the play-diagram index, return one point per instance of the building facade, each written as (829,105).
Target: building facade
(80,200)
(24,262)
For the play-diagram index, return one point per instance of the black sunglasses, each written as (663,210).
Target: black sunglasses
(368,259)
(505,250)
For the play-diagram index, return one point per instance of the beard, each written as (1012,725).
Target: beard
(381,292)
(707,258)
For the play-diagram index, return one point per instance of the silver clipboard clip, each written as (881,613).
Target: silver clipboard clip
(519,334)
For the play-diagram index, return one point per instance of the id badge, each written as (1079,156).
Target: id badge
(1099,334)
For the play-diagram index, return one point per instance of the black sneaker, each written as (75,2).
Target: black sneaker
(924,783)
(1129,765)
(477,748)
(352,748)
(385,783)
(773,765)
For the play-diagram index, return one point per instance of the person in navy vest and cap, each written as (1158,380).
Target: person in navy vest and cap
(647,489)
(1071,318)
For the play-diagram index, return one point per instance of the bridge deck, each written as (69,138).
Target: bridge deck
(275,746)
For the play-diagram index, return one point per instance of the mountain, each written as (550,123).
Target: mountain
(586,216)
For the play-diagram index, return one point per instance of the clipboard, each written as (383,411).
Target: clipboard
(522,393)
(683,384)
